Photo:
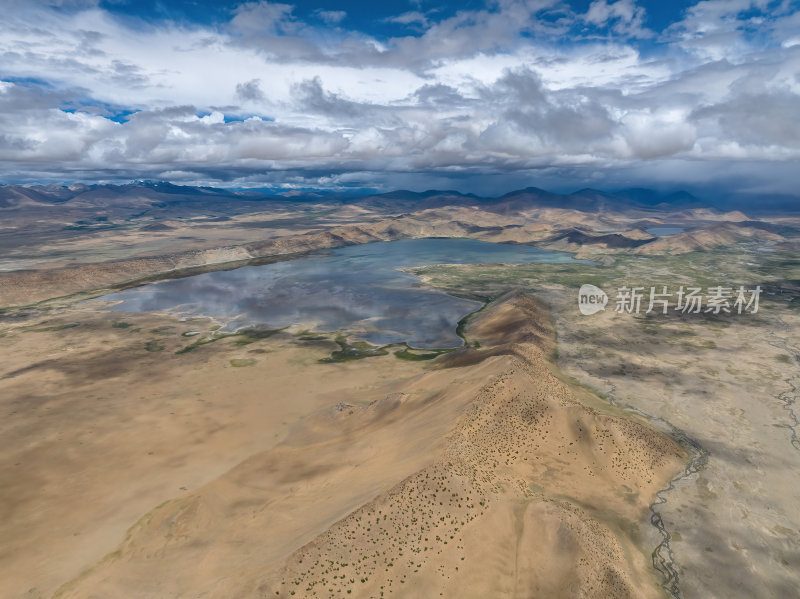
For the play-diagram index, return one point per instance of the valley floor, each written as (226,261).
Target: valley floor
(247,468)
(556,455)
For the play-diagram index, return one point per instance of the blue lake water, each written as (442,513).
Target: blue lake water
(356,288)
(665,231)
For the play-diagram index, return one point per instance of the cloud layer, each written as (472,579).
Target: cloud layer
(518,91)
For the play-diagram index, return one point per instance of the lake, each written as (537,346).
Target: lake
(355,288)
(665,231)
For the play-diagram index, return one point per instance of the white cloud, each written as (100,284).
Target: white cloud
(264,18)
(332,17)
(623,17)
(732,29)
(479,92)
(410,18)
(650,135)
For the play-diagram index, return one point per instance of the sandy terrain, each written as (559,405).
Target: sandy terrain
(728,386)
(725,386)
(135,473)
(133,467)
(97,430)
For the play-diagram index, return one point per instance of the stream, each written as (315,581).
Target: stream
(788,398)
(662,556)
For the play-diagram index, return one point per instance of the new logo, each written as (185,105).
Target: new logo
(591,300)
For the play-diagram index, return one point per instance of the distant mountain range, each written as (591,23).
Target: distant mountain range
(164,196)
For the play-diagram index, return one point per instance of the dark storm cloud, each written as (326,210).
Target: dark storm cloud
(756,119)
(250,90)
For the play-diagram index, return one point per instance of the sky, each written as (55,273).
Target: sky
(477,96)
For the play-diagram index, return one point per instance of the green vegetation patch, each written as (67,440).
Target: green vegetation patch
(242,362)
(153,346)
(100,224)
(199,342)
(241,337)
(419,355)
(58,327)
(777,273)
(461,327)
(253,334)
(121,324)
(356,350)
(165,330)
(309,336)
